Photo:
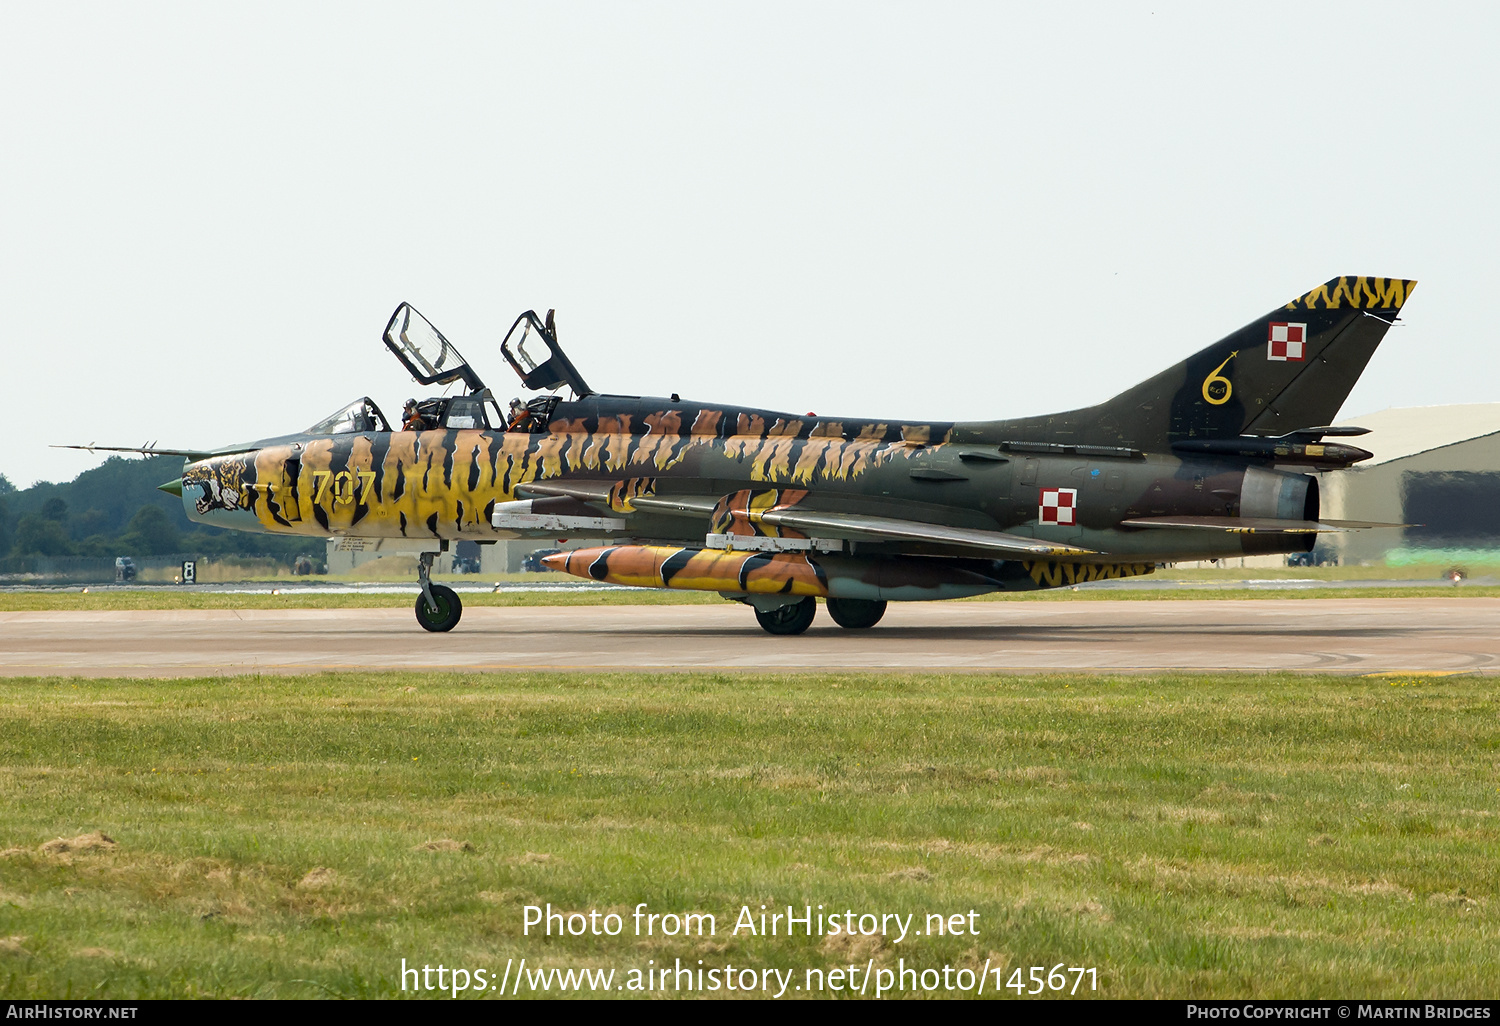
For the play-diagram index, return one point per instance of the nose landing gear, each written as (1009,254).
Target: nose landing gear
(438,607)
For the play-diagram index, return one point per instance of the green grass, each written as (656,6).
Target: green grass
(1086,593)
(1270,836)
(1434,572)
(291,598)
(43,601)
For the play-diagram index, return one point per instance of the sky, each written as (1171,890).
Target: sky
(913,210)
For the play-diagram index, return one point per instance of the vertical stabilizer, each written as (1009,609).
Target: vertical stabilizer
(1290,369)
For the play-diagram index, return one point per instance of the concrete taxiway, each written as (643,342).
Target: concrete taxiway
(1340,635)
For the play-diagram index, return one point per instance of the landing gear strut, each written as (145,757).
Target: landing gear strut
(438,607)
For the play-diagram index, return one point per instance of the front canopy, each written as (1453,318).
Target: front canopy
(360,415)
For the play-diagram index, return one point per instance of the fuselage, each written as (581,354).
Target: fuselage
(443,485)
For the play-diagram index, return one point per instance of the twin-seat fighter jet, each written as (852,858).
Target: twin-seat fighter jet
(1216,456)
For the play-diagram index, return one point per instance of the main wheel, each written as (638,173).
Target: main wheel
(448,610)
(856,614)
(792,618)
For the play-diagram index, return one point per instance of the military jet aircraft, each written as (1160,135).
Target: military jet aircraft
(1216,456)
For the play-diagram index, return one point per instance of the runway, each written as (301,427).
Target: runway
(1337,635)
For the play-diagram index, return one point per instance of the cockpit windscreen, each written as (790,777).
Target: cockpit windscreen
(360,415)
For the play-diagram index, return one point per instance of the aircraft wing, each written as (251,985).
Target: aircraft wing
(1255,525)
(583,491)
(853,526)
(600,495)
(151,450)
(873,528)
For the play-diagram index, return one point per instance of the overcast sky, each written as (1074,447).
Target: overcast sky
(208,211)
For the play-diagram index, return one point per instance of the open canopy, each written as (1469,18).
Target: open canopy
(430,357)
(531,349)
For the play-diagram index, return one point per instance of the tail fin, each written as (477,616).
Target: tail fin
(1291,369)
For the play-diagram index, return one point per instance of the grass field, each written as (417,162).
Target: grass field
(1188,836)
(43,601)
(291,598)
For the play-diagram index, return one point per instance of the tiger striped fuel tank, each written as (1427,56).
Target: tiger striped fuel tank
(898,578)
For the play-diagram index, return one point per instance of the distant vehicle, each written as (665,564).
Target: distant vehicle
(1214,457)
(465,564)
(124,569)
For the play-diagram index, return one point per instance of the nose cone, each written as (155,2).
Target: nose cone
(172,487)
(558,562)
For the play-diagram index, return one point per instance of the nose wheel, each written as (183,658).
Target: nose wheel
(438,607)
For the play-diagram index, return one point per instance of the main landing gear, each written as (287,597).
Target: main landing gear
(856,614)
(791,618)
(438,607)
(796,617)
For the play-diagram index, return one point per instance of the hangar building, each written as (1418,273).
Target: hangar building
(503,557)
(1437,466)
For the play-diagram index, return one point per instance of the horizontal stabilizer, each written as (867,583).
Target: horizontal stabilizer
(1337,431)
(1277,450)
(1255,525)
(859,526)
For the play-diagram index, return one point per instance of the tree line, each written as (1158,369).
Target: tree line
(116,510)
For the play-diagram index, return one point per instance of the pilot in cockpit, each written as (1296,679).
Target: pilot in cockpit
(520,416)
(411,419)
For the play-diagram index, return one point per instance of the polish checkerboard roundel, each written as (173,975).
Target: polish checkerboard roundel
(1058,506)
(1287,342)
